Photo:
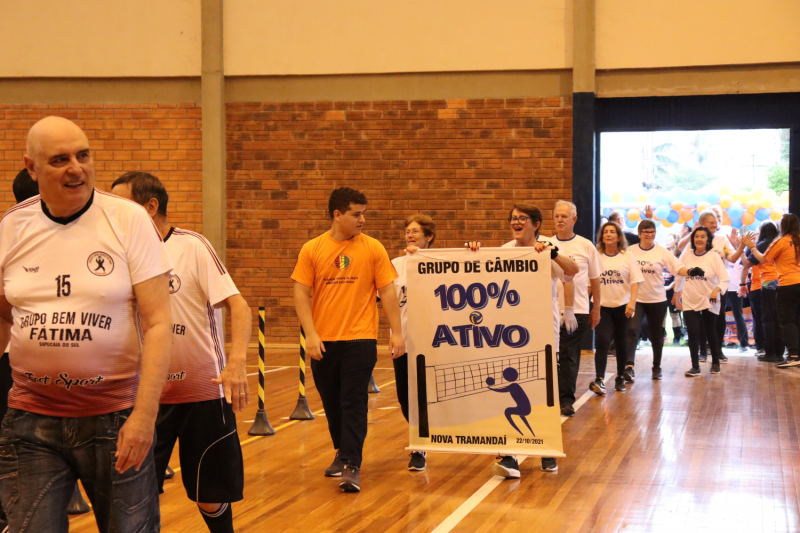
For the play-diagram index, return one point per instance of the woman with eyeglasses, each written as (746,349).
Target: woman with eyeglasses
(420,232)
(700,297)
(526,222)
(619,286)
(651,299)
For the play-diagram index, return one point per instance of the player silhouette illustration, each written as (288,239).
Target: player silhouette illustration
(99,261)
(523,407)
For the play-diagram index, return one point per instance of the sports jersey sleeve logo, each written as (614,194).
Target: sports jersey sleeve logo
(342,262)
(174,284)
(100,264)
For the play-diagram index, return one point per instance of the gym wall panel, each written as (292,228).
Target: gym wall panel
(98,38)
(164,139)
(275,37)
(462,161)
(641,34)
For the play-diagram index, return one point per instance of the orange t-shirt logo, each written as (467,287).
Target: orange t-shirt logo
(341,262)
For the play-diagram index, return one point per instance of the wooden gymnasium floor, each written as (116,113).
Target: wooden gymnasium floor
(716,453)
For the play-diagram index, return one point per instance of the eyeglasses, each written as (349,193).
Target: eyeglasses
(413,232)
(520,220)
(648,233)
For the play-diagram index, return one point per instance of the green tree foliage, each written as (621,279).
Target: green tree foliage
(778,178)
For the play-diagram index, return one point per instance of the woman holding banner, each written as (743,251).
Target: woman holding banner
(420,232)
(651,300)
(619,287)
(526,221)
(700,297)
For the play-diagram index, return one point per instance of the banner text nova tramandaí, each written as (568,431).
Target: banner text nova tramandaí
(482,364)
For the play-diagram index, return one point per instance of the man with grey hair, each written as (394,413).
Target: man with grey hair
(85,395)
(576,319)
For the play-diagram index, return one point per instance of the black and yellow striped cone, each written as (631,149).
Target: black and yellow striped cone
(301,410)
(261,425)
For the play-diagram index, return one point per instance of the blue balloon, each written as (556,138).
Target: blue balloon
(629,198)
(753,226)
(673,216)
(762,214)
(604,198)
(641,215)
(735,212)
(696,216)
(690,223)
(607,212)
(662,212)
(736,222)
(676,194)
(690,198)
(712,197)
(660,198)
(630,223)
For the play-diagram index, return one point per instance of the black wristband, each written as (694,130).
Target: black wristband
(743,284)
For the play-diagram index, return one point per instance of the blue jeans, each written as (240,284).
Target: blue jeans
(42,456)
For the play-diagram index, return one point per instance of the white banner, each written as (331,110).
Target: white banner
(482,368)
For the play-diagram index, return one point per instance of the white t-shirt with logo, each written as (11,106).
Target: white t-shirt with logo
(620,272)
(719,244)
(697,289)
(400,290)
(556,275)
(653,262)
(75,338)
(198,285)
(735,276)
(583,252)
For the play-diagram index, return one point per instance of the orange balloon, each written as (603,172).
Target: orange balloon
(752,205)
(726,219)
(765,202)
(702,206)
(776,213)
(666,223)
(686,215)
(725,201)
(748,218)
(677,205)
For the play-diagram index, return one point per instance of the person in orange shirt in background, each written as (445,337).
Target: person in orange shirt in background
(344,268)
(763,298)
(785,254)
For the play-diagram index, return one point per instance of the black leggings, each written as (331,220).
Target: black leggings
(697,321)
(789,317)
(613,325)
(773,336)
(655,314)
(401,382)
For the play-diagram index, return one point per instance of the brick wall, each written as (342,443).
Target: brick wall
(464,162)
(163,139)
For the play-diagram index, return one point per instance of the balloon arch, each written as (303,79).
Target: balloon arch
(740,209)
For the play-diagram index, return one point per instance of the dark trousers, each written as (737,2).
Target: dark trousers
(569,360)
(697,321)
(773,336)
(613,326)
(789,317)
(734,301)
(756,307)
(401,381)
(721,324)
(654,313)
(342,377)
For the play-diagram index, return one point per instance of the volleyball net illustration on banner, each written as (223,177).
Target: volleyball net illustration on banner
(457,380)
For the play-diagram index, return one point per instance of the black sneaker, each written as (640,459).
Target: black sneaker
(567,410)
(619,384)
(629,375)
(169,474)
(508,467)
(417,462)
(692,373)
(351,481)
(335,470)
(790,363)
(743,349)
(715,369)
(760,353)
(598,387)
(723,358)
(549,464)
(656,373)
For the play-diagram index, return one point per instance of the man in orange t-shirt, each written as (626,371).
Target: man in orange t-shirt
(344,268)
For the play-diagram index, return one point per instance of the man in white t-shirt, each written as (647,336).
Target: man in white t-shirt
(203,389)
(84,296)
(586,283)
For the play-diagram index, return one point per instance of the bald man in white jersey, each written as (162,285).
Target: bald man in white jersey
(84,292)
(204,389)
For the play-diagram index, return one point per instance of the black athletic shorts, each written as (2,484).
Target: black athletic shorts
(211,456)
(672,308)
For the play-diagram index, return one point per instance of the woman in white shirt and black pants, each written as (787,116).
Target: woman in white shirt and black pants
(651,301)
(619,285)
(700,299)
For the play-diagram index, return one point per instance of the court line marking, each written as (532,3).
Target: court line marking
(287,424)
(268,371)
(479,495)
